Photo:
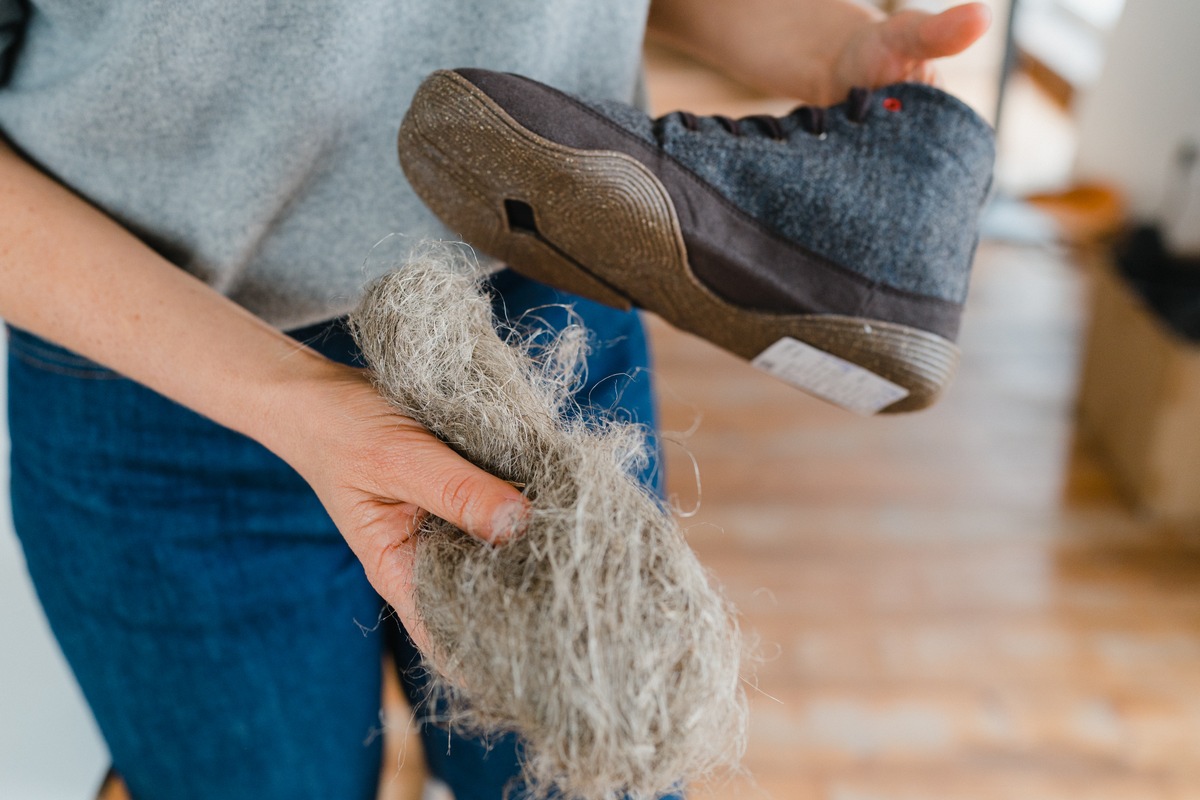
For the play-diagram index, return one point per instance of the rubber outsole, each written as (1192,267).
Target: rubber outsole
(600,224)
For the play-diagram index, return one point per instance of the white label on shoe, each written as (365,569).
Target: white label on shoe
(828,377)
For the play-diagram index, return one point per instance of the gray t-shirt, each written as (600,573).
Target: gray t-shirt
(253,142)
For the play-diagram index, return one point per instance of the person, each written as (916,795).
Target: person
(217,513)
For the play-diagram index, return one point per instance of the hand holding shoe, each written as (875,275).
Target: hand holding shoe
(901,47)
(815,50)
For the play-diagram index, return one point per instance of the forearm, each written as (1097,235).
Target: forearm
(71,274)
(781,47)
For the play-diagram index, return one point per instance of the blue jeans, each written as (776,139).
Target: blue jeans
(222,632)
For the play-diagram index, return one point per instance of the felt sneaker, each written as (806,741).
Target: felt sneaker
(831,247)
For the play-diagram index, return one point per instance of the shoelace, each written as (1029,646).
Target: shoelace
(812,119)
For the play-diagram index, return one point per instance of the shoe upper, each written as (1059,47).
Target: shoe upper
(877,199)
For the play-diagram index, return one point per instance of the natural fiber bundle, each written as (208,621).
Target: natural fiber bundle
(595,635)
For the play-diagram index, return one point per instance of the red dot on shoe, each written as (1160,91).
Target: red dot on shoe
(892,103)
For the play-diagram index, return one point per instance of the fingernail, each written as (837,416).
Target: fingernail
(510,520)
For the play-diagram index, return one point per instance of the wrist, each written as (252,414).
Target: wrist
(294,399)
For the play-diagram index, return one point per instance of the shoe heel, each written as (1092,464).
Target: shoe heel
(921,362)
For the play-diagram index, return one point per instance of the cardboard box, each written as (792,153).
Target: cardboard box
(1139,400)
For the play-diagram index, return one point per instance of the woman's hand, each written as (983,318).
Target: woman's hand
(377,471)
(902,47)
(815,50)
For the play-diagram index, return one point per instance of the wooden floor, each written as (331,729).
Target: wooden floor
(953,605)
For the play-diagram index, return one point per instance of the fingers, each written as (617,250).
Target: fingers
(918,35)
(926,73)
(401,593)
(448,486)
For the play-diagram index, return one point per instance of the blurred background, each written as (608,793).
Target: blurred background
(995,598)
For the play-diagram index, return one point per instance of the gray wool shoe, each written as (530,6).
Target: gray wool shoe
(831,247)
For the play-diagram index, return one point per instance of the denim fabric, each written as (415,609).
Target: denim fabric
(223,634)
(895,198)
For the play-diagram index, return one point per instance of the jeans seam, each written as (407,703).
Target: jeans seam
(43,359)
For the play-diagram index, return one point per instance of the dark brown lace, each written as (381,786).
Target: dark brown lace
(812,119)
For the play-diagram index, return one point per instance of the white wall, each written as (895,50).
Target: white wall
(1145,105)
(49,747)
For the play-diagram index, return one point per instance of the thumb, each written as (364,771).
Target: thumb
(919,35)
(466,496)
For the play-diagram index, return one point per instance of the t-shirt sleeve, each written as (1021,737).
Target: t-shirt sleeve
(12,21)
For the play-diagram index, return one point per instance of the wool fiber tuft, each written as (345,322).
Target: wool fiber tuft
(596,635)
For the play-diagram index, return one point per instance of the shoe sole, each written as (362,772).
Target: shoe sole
(532,203)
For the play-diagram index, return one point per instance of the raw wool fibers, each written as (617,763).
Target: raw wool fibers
(595,635)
